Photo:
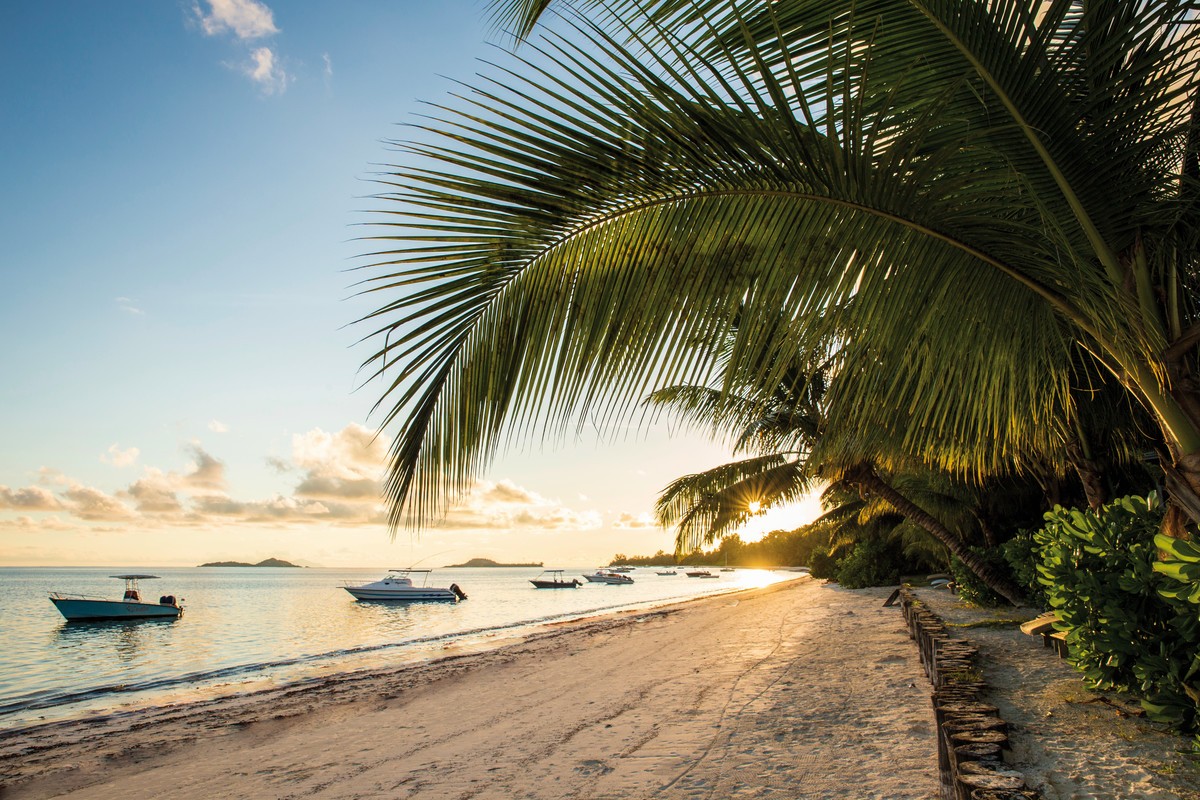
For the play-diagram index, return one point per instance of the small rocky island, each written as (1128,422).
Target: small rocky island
(487,562)
(268,562)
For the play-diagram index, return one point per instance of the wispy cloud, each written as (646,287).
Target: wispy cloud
(245,19)
(634,521)
(263,70)
(216,426)
(118,457)
(127,305)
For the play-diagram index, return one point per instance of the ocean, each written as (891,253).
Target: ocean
(248,628)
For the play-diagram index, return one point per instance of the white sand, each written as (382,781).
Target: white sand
(796,691)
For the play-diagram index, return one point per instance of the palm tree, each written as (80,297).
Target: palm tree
(782,433)
(996,184)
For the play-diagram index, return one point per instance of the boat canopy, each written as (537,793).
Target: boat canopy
(407,569)
(134,577)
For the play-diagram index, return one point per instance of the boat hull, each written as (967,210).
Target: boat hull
(77,609)
(555,584)
(612,580)
(415,595)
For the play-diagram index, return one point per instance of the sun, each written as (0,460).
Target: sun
(786,516)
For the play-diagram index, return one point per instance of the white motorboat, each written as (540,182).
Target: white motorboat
(398,585)
(608,576)
(130,606)
(553,579)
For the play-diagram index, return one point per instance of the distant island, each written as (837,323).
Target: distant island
(487,562)
(269,562)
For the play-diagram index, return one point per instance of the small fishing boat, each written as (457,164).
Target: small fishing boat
(699,573)
(131,606)
(398,585)
(622,569)
(553,579)
(608,576)
(667,572)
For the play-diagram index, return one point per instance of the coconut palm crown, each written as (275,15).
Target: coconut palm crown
(980,188)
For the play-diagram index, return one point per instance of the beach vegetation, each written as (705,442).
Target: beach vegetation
(1124,596)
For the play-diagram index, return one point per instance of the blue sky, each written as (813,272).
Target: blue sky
(180,188)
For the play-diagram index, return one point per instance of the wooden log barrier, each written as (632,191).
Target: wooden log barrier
(971,736)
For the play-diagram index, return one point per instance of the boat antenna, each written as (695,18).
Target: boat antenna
(435,555)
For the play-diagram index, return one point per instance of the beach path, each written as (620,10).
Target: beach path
(795,691)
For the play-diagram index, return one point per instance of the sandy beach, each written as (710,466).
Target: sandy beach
(797,690)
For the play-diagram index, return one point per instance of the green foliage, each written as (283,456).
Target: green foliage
(970,587)
(823,565)
(1022,556)
(1131,622)
(872,562)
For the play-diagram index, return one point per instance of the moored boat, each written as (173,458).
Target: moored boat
(699,573)
(398,585)
(79,607)
(608,576)
(667,572)
(553,579)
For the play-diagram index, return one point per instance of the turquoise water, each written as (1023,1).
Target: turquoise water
(250,628)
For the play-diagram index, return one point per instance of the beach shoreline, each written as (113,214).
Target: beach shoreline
(753,694)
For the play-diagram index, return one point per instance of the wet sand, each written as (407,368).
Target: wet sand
(795,691)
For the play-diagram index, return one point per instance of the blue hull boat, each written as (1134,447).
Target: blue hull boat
(81,607)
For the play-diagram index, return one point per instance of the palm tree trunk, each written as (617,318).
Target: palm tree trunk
(868,479)
(1089,475)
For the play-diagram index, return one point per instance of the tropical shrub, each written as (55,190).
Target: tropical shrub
(1022,556)
(824,564)
(872,562)
(1123,631)
(970,587)
(1180,564)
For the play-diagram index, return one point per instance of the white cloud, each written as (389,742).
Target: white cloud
(207,472)
(154,493)
(248,21)
(120,458)
(216,426)
(31,498)
(505,505)
(634,521)
(338,481)
(263,70)
(25,523)
(353,453)
(328,65)
(90,503)
(245,19)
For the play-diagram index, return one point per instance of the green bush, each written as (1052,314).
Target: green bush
(1022,555)
(823,564)
(970,587)
(872,562)
(1180,564)
(1129,627)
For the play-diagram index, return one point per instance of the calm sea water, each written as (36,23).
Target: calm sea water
(249,628)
